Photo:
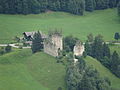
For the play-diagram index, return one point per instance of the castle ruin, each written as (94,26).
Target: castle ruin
(53,44)
(78,50)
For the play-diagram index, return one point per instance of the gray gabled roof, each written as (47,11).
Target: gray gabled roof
(33,33)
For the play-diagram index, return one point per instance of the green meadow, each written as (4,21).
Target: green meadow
(104,22)
(104,72)
(20,70)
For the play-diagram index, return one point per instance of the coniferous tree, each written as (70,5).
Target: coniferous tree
(81,77)
(112,3)
(90,37)
(118,7)
(102,4)
(97,51)
(89,5)
(8,48)
(116,36)
(37,43)
(106,50)
(115,62)
(88,48)
(70,42)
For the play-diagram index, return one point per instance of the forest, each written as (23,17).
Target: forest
(38,6)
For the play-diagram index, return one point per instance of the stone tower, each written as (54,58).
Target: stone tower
(53,44)
(79,49)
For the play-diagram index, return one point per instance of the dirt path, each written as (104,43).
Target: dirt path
(12,45)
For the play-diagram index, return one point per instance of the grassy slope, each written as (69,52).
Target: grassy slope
(103,22)
(40,71)
(46,71)
(115,48)
(24,71)
(104,72)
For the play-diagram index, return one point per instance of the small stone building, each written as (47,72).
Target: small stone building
(78,50)
(53,44)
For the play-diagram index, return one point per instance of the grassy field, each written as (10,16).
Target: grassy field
(115,48)
(20,70)
(104,72)
(103,22)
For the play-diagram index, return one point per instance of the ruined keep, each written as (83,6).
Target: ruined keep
(78,50)
(53,44)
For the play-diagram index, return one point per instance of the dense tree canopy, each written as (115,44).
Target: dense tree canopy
(38,6)
(100,50)
(81,77)
(37,43)
(119,9)
(117,36)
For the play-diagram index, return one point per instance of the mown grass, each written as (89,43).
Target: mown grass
(104,72)
(115,48)
(20,70)
(46,71)
(104,22)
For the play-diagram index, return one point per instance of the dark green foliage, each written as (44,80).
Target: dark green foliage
(118,7)
(89,5)
(76,6)
(90,37)
(81,77)
(37,6)
(97,51)
(101,51)
(59,88)
(112,3)
(88,48)
(84,54)
(102,4)
(115,64)
(106,62)
(37,43)
(106,50)
(2,51)
(8,49)
(17,39)
(69,43)
(116,36)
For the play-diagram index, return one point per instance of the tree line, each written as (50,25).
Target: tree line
(118,7)
(38,6)
(98,49)
(79,76)
(6,49)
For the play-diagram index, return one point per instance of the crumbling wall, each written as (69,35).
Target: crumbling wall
(53,44)
(79,49)
(57,41)
(50,49)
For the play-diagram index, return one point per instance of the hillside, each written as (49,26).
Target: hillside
(104,72)
(20,70)
(98,22)
(115,48)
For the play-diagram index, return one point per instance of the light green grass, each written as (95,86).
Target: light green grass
(104,72)
(103,22)
(20,70)
(46,71)
(115,48)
